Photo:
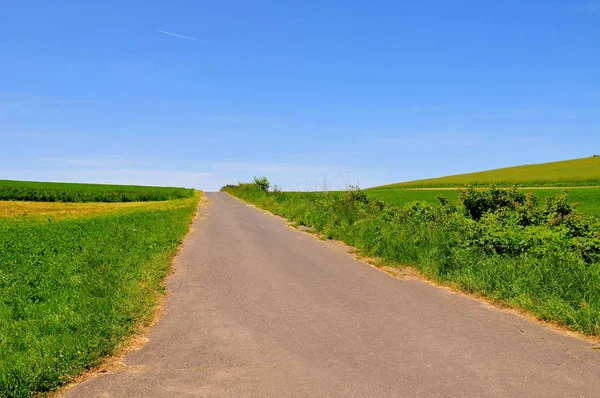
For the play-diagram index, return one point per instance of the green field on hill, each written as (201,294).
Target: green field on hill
(66,192)
(576,172)
(77,279)
(588,199)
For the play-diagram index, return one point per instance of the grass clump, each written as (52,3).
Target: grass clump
(507,245)
(73,289)
(67,192)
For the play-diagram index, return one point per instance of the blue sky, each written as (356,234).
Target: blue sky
(300,91)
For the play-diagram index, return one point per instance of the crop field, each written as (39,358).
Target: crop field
(588,199)
(576,172)
(63,210)
(77,279)
(66,192)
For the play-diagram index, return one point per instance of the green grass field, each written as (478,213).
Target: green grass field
(576,172)
(588,198)
(65,192)
(76,280)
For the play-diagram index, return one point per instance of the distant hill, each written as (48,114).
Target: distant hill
(566,173)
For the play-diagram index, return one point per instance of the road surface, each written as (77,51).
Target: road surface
(258,309)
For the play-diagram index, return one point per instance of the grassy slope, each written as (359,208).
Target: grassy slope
(67,192)
(588,198)
(576,172)
(73,288)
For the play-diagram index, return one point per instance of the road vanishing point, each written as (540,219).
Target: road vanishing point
(259,309)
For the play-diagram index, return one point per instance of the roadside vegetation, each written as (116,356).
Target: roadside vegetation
(65,192)
(78,279)
(576,172)
(504,244)
(586,198)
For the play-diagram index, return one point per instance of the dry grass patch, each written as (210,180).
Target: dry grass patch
(61,210)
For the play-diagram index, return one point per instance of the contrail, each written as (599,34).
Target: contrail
(176,35)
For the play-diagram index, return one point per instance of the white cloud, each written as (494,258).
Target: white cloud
(172,178)
(292,176)
(126,176)
(181,36)
(106,161)
(23,134)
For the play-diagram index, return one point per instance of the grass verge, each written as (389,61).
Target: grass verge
(499,244)
(73,289)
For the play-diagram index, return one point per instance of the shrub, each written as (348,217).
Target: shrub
(478,202)
(262,183)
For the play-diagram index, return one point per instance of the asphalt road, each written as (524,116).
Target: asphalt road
(257,309)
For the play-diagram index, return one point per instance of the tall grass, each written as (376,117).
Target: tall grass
(505,245)
(73,289)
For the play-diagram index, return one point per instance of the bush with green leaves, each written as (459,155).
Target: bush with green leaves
(262,182)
